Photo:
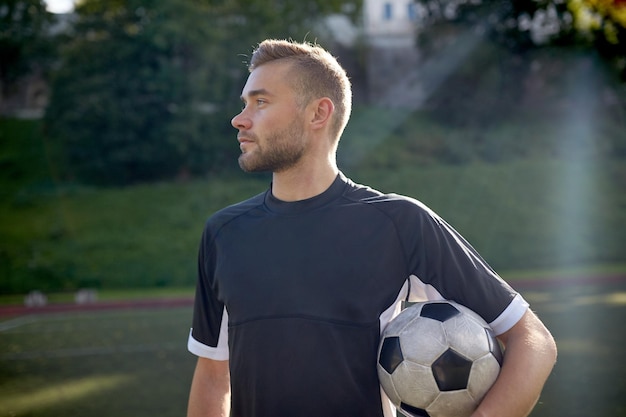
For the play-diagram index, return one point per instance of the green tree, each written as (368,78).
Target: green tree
(125,81)
(25,42)
(146,89)
(602,23)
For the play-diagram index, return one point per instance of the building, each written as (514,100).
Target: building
(391,22)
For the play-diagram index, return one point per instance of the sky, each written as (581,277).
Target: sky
(60,6)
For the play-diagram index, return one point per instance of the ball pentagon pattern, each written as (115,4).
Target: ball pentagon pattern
(438,359)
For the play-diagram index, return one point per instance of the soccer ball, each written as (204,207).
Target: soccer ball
(438,359)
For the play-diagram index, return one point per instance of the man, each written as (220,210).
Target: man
(296,284)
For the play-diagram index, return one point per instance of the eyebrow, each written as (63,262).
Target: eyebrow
(255,93)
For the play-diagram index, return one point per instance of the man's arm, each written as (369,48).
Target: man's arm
(530,354)
(210,389)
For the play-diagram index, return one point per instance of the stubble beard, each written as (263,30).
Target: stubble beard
(283,150)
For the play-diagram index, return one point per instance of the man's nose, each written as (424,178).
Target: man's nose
(241,121)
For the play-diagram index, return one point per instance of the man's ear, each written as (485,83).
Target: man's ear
(322,111)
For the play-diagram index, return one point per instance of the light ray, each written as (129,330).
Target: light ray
(28,402)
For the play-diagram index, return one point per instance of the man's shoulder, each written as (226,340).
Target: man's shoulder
(229,213)
(384,201)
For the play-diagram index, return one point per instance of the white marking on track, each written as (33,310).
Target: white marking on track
(91,351)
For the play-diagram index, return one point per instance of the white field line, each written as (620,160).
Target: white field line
(92,351)
(73,352)
(17,322)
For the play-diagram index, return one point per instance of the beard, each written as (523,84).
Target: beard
(280,151)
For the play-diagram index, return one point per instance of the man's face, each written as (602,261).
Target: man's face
(271,125)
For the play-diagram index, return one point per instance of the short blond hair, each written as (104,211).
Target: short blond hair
(316,73)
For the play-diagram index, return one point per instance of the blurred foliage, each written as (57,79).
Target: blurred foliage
(145,89)
(25,44)
(523,24)
(523,69)
(131,74)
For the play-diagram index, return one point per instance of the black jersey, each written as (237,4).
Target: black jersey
(295,295)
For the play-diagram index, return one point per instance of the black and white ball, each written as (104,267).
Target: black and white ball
(438,359)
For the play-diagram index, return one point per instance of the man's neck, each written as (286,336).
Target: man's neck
(300,184)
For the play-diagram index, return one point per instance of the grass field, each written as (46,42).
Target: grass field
(587,322)
(135,363)
(113,363)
